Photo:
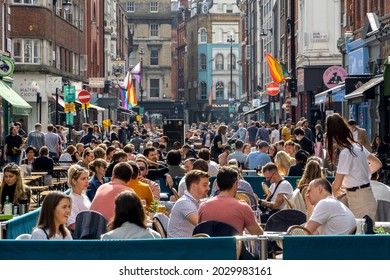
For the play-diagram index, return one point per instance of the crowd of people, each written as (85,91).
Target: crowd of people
(116,173)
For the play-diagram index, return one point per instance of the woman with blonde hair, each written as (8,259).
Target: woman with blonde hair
(13,187)
(283,162)
(78,181)
(312,171)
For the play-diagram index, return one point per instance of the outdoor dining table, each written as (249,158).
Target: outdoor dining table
(262,241)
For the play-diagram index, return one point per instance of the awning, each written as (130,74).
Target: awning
(91,106)
(337,92)
(20,106)
(61,102)
(255,109)
(359,92)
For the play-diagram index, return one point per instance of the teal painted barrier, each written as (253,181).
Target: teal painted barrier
(340,247)
(218,248)
(22,224)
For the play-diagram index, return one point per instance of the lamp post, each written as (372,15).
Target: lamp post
(141,90)
(293,80)
(231,41)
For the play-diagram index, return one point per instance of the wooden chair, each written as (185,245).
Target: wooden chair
(288,203)
(159,227)
(298,230)
(244,197)
(175,193)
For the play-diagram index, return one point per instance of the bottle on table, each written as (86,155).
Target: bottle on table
(7,206)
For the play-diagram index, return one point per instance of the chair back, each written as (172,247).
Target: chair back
(288,203)
(244,197)
(201,235)
(215,228)
(157,226)
(283,219)
(89,225)
(298,230)
(175,193)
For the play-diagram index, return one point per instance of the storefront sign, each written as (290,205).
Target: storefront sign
(334,75)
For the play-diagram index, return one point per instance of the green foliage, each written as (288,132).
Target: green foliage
(153,206)
(380,230)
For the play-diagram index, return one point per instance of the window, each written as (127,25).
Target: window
(154,7)
(27,51)
(154,30)
(154,88)
(219,62)
(130,7)
(203,36)
(132,28)
(203,91)
(234,92)
(203,62)
(27,2)
(219,91)
(154,57)
(234,62)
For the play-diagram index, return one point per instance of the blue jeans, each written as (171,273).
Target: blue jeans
(15,159)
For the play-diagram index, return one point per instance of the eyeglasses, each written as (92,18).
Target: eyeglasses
(142,168)
(269,178)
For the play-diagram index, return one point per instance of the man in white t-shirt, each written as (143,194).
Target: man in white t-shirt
(326,215)
(275,135)
(279,187)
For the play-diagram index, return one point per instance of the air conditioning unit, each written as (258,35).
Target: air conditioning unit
(248,52)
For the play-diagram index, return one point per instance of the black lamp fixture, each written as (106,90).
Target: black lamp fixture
(264,34)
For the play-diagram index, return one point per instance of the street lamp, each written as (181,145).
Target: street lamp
(141,90)
(264,34)
(67,5)
(231,41)
(293,80)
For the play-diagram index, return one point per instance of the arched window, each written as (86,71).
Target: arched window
(219,88)
(219,62)
(203,91)
(203,62)
(234,92)
(234,61)
(203,36)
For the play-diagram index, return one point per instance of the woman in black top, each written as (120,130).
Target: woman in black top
(44,163)
(319,141)
(220,141)
(13,187)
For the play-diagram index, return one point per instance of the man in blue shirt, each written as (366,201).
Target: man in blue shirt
(258,158)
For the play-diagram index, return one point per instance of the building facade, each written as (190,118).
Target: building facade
(150,25)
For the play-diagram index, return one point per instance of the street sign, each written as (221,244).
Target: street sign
(69,119)
(70,107)
(141,111)
(96,82)
(273,89)
(69,94)
(84,96)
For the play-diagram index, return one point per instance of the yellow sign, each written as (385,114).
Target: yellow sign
(70,107)
(85,106)
(106,123)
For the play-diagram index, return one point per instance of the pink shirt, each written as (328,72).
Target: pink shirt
(228,210)
(104,201)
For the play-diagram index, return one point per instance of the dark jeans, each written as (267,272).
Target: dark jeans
(15,159)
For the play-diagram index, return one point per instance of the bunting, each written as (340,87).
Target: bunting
(276,69)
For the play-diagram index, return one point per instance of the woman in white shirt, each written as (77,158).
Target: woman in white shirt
(129,220)
(78,181)
(53,217)
(354,168)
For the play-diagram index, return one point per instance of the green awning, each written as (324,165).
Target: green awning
(20,106)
